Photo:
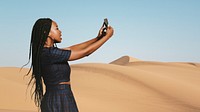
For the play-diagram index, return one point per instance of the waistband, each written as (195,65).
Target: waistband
(58,87)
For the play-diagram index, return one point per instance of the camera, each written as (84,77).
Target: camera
(105,22)
(105,26)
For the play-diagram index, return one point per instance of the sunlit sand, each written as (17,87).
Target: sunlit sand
(125,85)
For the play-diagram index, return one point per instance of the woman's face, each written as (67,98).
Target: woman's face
(55,33)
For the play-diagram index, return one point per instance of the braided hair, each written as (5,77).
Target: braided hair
(39,36)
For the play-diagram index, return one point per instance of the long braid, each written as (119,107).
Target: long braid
(39,35)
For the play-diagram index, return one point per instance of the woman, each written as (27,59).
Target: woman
(50,65)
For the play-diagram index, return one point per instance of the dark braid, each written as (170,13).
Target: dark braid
(39,36)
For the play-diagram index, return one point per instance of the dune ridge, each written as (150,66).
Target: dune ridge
(124,60)
(124,85)
(148,79)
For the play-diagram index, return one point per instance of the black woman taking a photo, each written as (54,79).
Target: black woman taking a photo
(50,65)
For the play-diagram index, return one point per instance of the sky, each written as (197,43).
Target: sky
(150,30)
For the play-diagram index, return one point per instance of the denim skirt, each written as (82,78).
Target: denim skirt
(58,98)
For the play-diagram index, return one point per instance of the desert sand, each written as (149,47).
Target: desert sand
(125,85)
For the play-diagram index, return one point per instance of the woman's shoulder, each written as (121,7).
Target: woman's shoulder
(48,50)
(53,50)
(58,55)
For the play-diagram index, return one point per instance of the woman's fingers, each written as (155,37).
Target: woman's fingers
(109,31)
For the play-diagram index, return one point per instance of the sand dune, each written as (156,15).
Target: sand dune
(13,91)
(7,110)
(125,85)
(124,60)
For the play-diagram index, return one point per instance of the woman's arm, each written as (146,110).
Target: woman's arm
(82,45)
(89,47)
(87,43)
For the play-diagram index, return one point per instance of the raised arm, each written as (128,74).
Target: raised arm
(83,45)
(90,46)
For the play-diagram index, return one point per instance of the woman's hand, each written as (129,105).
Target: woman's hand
(100,34)
(109,32)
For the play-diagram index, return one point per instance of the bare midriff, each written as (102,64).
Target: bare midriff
(64,82)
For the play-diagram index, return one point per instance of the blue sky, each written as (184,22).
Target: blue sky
(151,30)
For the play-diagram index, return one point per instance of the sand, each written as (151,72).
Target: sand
(125,85)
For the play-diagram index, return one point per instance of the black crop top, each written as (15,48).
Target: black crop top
(54,65)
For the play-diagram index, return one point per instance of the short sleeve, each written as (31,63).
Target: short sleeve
(60,55)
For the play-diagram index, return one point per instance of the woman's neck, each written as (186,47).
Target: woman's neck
(49,42)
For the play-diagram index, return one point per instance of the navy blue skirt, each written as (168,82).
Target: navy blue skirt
(58,98)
